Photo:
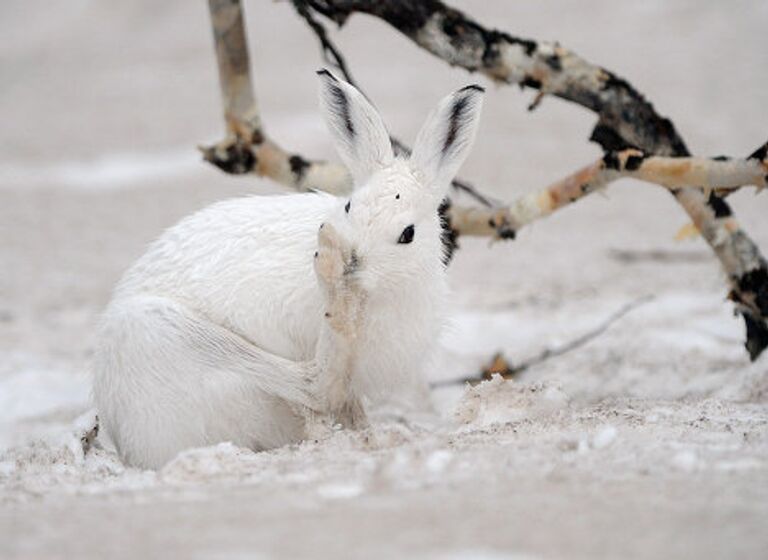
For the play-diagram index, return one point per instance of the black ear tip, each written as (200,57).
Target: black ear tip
(473,87)
(325,72)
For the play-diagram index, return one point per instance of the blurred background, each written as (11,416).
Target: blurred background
(102,105)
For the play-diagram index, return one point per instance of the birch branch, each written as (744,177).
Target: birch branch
(247,149)
(625,120)
(720,175)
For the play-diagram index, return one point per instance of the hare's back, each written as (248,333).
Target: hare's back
(247,265)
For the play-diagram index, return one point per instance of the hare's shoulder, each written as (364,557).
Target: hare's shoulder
(246,223)
(249,213)
(232,240)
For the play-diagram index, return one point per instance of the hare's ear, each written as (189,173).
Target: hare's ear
(446,137)
(359,134)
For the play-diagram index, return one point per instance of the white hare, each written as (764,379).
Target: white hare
(249,316)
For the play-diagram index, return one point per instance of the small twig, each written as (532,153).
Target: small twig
(331,54)
(499,366)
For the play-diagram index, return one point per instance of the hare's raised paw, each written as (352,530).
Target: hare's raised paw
(335,266)
(331,257)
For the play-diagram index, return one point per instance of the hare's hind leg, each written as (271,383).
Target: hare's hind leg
(167,379)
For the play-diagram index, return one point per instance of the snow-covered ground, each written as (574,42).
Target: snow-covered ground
(651,441)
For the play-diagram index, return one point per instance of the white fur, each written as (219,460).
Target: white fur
(216,333)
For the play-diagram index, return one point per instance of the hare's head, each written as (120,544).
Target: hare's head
(391,217)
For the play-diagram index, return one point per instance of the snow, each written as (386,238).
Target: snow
(604,437)
(649,441)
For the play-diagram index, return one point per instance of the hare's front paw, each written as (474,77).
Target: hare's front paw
(334,258)
(335,266)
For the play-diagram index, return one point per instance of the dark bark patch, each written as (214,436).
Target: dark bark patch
(553,61)
(408,17)
(609,139)
(761,153)
(612,81)
(719,206)
(757,336)
(493,40)
(530,82)
(527,45)
(506,232)
(257,137)
(491,52)
(634,162)
(756,282)
(611,161)
(238,159)
(298,166)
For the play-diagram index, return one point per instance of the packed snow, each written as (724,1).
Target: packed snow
(649,441)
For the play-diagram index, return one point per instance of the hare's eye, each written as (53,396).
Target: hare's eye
(347,205)
(407,235)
